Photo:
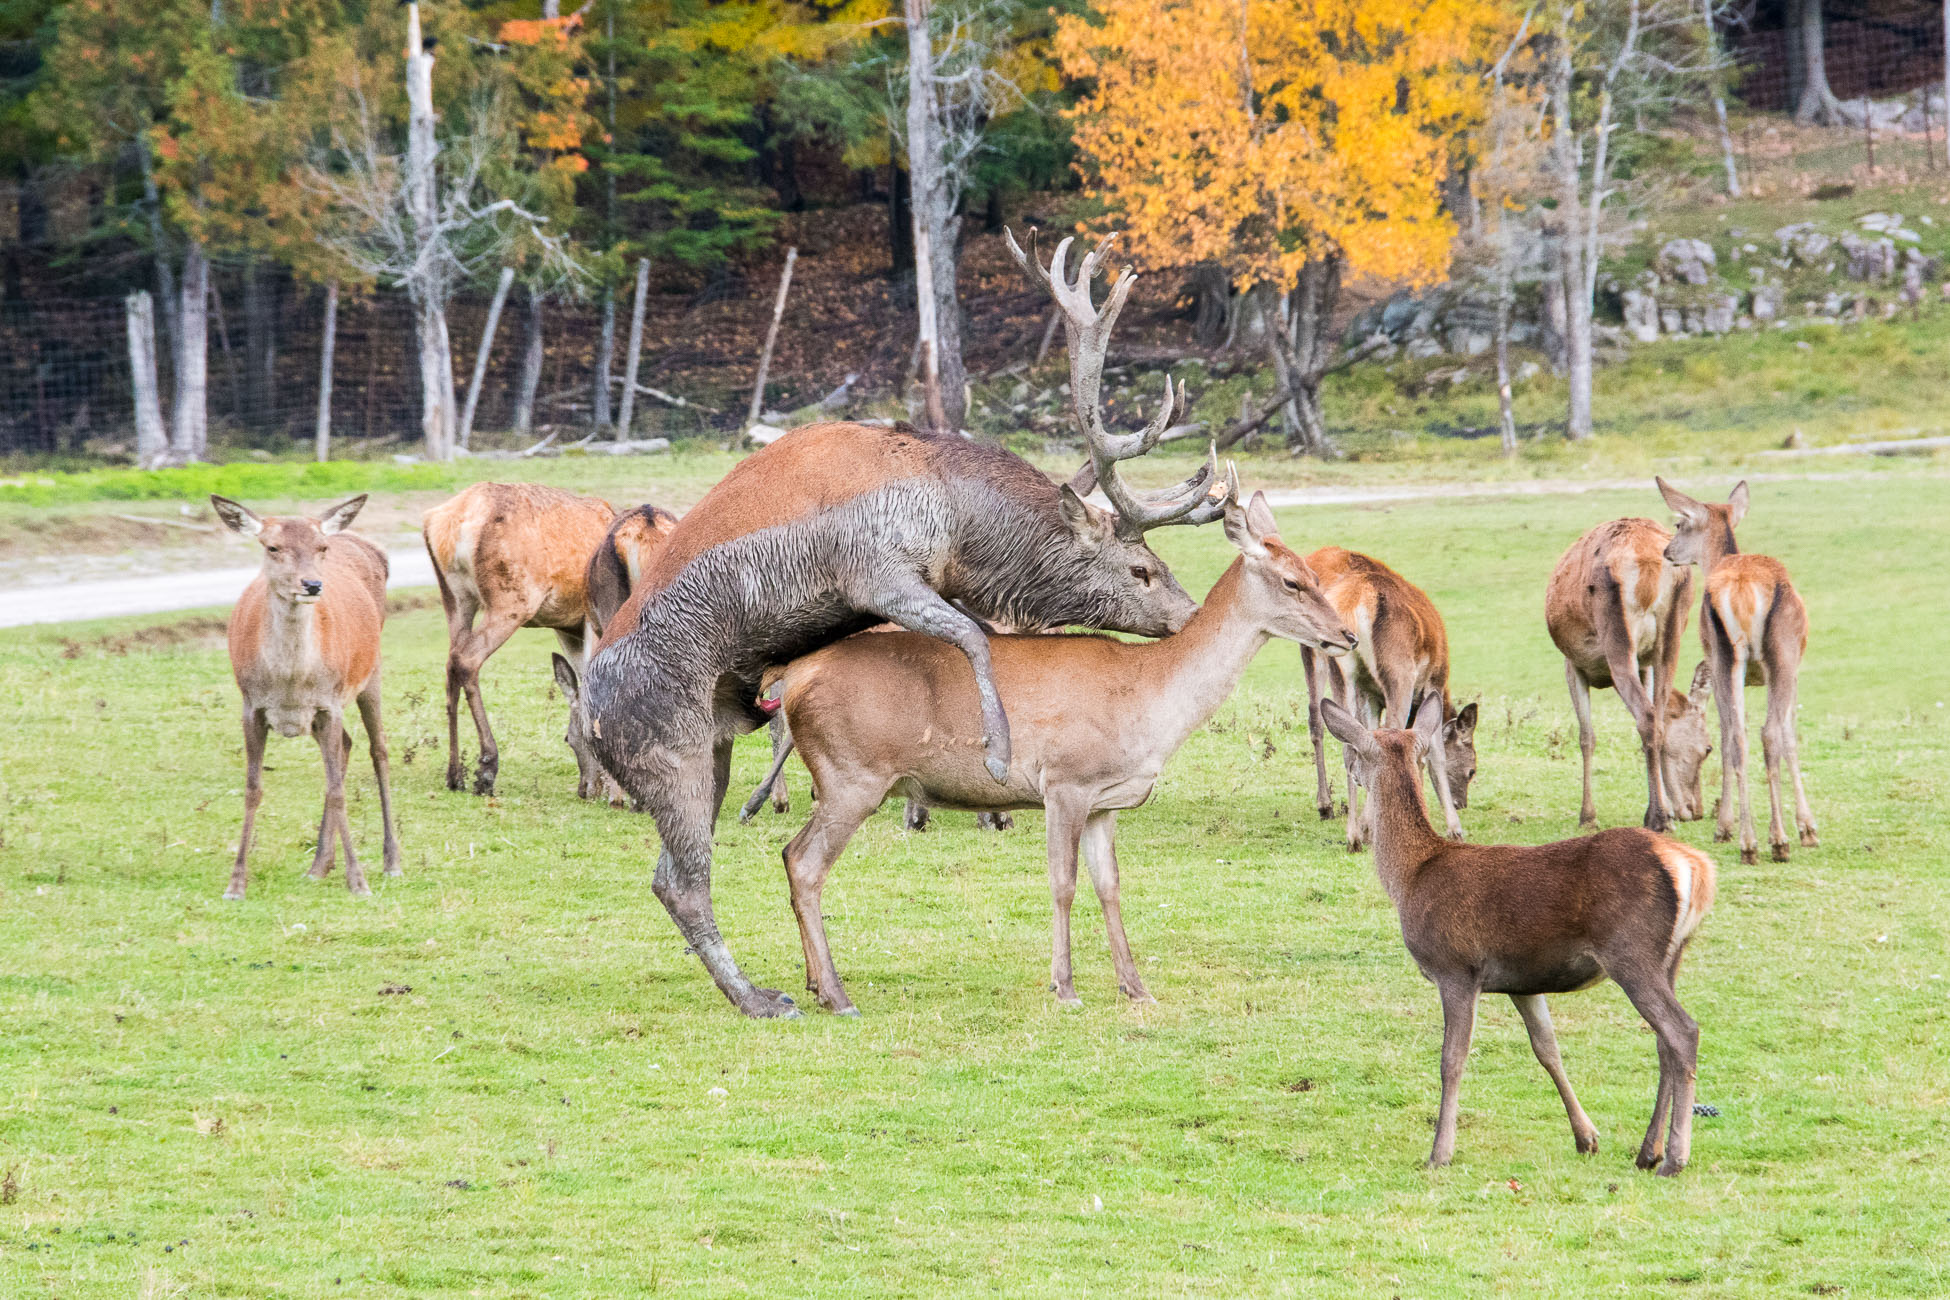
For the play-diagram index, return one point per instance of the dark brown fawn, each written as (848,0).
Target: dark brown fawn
(837,527)
(1402,654)
(304,643)
(514,555)
(1531,921)
(1756,631)
(1094,720)
(1617,610)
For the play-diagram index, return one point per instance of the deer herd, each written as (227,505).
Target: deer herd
(847,584)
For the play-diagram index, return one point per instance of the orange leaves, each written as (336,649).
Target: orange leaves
(555,33)
(1263,133)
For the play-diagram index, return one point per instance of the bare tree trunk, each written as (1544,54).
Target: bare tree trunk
(482,353)
(1726,146)
(159,250)
(1946,82)
(323,436)
(605,360)
(1308,338)
(1506,417)
(636,348)
(1056,318)
(951,372)
(1212,300)
(151,443)
(531,365)
(934,230)
(189,433)
(771,338)
(425,285)
(1817,103)
(1577,303)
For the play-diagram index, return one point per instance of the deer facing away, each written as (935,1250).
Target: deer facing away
(1756,631)
(837,527)
(1401,655)
(1531,921)
(304,643)
(1094,722)
(1617,609)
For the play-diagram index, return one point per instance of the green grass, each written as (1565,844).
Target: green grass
(563,1106)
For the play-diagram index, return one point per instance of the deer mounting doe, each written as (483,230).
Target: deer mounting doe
(881,713)
(1755,629)
(1616,609)
(304,643)
(834,528)
(513,555)
(1532,921)
(1401,656)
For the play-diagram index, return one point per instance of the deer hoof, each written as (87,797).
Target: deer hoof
(848,1010)
(1326,812)
(233,895)
(1670,1168)
(1780,852)
(1723,835)
(769,1004)
(1648,1159)
(1748,857)
(1809,840)
(1588,1146)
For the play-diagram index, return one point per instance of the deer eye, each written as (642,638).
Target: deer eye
(1141,573)
(273,549)
(1291,585)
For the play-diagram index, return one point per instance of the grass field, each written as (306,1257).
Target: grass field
(502,1077)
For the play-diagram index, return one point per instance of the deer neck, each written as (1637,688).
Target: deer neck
(290,633)
(1198,666)
(1403,838)
(1718,547)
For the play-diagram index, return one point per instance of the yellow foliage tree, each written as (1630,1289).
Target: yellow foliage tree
(1285,141)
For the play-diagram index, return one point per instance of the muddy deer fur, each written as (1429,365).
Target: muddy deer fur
(1094,721)
(1532,921)
(836,527)
(515,555)
(1616,608)
(304,643)
(1401,655)
(1755,629)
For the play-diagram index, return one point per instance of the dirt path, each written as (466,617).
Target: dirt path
(157,593)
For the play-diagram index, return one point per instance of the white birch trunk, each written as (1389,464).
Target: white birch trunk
(924,187)
(189,432)
(323,435)
(482,353)
(605,360)
(771,338)
(628,406)
(424,282)
(151,443)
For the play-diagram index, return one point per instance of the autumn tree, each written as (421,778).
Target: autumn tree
(1291,143)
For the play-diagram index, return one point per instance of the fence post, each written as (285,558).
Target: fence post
(772,337)
(628,408)
(324,434)
(151,443)
(481,354)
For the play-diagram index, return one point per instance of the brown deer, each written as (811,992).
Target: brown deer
(836,527)
(1094,721)
(1531,921)
(516,555)
(1401,655)
(623,556)
(1617,609)
(304,643)
(1756,631)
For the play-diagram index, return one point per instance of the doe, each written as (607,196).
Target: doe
(1530,921)
(304,642)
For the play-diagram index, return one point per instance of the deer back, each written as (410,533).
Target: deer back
(520,544)
(1626,556)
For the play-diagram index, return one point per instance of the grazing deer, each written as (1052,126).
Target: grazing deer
(1531,921)
(1756,631)
(1094,722)
(834,528)
(516,554)
(304,642)
(1617,609)
(1401,655)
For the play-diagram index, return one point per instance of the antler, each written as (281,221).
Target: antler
(1088,329)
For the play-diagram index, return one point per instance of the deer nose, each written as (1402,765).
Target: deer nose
(313,586)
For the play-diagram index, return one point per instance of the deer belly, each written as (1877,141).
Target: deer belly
(1542,973)
(291,720)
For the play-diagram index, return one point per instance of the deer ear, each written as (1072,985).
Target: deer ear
(1239,528)
(1347,728)
(340,516)
(1259,515)
(1084,481)
(1689,510)
(1077,515)
(1464,723)
(1737,501)
(1702,682)
(565,678)
(235,517)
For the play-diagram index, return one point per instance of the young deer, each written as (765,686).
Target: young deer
(304,642)
(1756,630)
(1094,721)
(1527,922)
(1401,655)
(518,552)
(1617,609)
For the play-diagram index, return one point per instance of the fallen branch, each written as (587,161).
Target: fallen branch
(669,398)
(1252,423)
(165,523)
(537,448)
(1884,447)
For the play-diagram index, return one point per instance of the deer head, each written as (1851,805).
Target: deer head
(1276,584)
(294,545)
(1703,531)
(1688,745)
(592,782)
(1459,753)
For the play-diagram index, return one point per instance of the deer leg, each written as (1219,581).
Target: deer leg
(1536,1015)
(1317,732)
(781,745)
(1100,853)
(914,816)
(336,747)
(255,729)
(1775,741)
(808,859)
(493,633)
(1621,657)
(921,609)
(1064,825)
(325,852)
(1587,740)
(1733,725)
(1458,1022)
(460,608)
(1356,702)
(995,821)
(381,768)
(1654,997)
(1804,817)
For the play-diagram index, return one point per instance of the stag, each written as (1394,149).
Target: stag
(836,527)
